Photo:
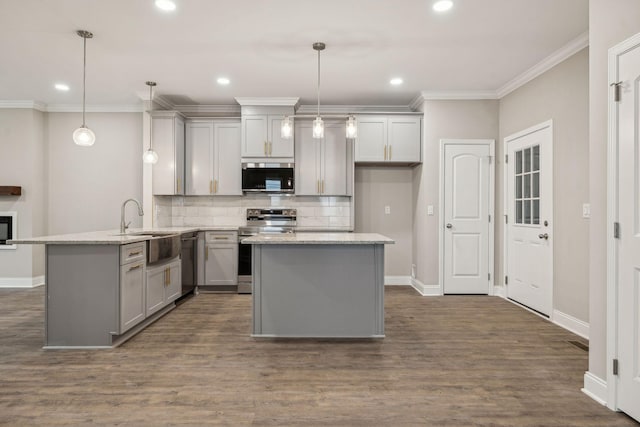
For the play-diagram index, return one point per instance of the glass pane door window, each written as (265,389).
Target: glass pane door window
(527,186)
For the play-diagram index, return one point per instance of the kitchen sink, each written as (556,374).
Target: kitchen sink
(161,245)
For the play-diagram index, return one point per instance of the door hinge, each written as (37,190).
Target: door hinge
(506,158)
(615,366)
(616,230)
(489,157)
(489,276)
(617,91)
(489,218)
(506,280)
(506,219)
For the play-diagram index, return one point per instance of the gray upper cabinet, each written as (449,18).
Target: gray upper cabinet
(322,165)
(168,143)
(213,164)
(261,138)
(389,139)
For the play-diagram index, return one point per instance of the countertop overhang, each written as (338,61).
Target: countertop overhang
(318,239)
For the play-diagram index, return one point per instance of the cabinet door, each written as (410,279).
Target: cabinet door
(173,287)
(227,161)
(334,161)
(221,264)
(307,168)
(404,139)
(279,147)
(372,139)
(179,154)
(156,279)
(254,136)
(132,295)
(164,172)
(199,155)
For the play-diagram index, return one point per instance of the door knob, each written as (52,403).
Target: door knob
(449,225)
(544,236)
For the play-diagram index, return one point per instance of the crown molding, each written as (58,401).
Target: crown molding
(565,52)
(268,102)
(455,95)
(209,109)
(33,105)
(94,108)
(353,109)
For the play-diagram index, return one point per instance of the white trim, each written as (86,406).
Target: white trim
(95,108)
(595,388)
(499,291)
(492,170)
(560,55)
(426,290)
(397,280)
(354,109)
(35,105)
(505,197)
(612,216)
(14,229)
(273,101)
(232,110)
(570,323)
(417,103)
(455,95)
(21,282)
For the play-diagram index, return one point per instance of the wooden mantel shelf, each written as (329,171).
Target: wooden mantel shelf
(7,190)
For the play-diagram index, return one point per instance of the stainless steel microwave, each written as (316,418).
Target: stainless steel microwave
(267,178)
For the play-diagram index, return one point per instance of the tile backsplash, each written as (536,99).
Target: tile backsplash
(331,213)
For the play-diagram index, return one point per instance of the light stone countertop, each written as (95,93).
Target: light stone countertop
(318,239)
(112,237)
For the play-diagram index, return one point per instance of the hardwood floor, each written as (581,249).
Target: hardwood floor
(446,361)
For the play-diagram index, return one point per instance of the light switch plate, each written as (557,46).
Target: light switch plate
(430,210)
(387,210)
(586,210)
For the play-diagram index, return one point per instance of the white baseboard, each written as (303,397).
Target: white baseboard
(397,281)
(426,290)
(499,291)
(21,282)
(570,323)
(595,388)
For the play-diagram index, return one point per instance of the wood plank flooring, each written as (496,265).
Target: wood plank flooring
(446,361)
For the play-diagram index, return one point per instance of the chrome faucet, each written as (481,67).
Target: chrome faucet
(123,225)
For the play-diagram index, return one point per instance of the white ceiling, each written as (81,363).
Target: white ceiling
(264,47)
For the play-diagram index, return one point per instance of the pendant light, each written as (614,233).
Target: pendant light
(286,128)
(150,156)
(318,124)
(352,128)
(84,136)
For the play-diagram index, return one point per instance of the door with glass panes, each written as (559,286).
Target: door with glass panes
(529,210)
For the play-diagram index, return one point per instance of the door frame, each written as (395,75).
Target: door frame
(441,222)
(612,216)
(505,204)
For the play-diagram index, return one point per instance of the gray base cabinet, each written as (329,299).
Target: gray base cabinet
(164,284)
(219,259)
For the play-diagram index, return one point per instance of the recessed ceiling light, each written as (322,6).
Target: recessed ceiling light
(442,5)
(62,87)
(166,5)
(223,81)
(396,81)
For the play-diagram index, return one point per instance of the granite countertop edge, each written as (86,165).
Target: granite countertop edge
(316,238)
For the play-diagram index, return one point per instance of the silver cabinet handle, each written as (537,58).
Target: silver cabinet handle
(449,225)
(544,236)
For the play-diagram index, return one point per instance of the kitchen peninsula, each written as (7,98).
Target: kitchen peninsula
(327,285)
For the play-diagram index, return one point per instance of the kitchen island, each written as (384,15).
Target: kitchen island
(321,285)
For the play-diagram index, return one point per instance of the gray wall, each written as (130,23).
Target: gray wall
(87,185)
(23,151)
(608,25)
(561,94)
(375,188)
(442,120)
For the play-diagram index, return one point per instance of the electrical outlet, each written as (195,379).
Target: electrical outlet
(387,210)
(430,210)
(586,210)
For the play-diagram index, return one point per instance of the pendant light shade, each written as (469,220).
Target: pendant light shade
(286,129)
(83,136)
(352,127)
(150,156)
(318,128)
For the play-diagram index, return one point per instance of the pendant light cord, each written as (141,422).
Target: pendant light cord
(318,83)
(150,116)
(84,80)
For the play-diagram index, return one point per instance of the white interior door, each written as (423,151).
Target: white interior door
(628,244)
(529,207)
(466,217)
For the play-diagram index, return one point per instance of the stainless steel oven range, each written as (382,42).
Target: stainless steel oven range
(260,221)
